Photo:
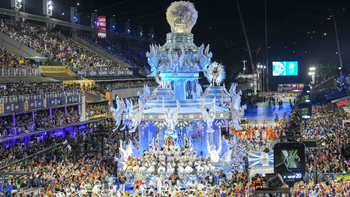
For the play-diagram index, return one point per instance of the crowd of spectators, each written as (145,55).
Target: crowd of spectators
(326,124)
(9,60)
(129,51)
(56,46)
(95,109)
(128,84)
(55,170)
(25,123)
(23,88)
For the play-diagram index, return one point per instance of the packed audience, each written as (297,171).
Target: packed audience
(128,84)
(25,123)
(129,51)
(95,109)
(56,46)
(23,88)
(11,61)
(326,124)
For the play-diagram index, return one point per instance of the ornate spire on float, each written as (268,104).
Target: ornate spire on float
(181,16)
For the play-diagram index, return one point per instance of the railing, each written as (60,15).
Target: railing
(105,73)
(11,99)
(30,182)
(19,72)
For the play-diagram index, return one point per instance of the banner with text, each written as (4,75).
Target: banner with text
(52,69)
(31,105)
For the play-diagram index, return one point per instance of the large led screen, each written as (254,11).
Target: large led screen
(289,68)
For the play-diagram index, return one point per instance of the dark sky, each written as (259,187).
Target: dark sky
(297,29)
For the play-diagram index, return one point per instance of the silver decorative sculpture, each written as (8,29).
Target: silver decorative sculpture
(127,152)
(118,112)
(209,117)
(128,106)
(237,111)
(204,57)
(181,16)
(171,118)
(153,58)
(143,97)
(213,153)
(135,117)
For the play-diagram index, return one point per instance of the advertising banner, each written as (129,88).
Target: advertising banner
(54,102)
(101,24)
(34,104)
(73,99)
(52,69)
(9,107)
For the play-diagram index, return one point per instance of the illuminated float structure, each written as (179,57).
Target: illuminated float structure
(178,107)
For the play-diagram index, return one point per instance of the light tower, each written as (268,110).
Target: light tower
(16,4)
(47,7)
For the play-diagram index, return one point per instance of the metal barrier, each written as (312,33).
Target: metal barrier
(11,99)
(36,182)
(19,72)
(105,73)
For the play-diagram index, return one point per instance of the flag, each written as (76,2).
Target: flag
(258,158)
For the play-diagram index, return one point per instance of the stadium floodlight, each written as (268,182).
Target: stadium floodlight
(311,73)
(16,4)
(312,68)
(47,7)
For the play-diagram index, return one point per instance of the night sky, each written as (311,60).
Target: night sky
(297,29)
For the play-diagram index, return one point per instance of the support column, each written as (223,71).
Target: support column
(33,116)
(65,111)
(180,89)
(143,130)
(204,142)
(82,109)
(51,114)
(217,136)
(14,120)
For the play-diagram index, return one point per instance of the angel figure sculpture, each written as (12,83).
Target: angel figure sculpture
(209,117)
(237,111)
(227,157)
(213,153)
(143,97)
(135,117)
(118,112)
(232,90)
(127,152)
(153,58)
(171,118)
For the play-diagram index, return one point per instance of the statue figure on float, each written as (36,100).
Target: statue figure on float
(127,152)
(135,118)
(117,112)
(171,118)
(237,111)
(213,153)
(209,117)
